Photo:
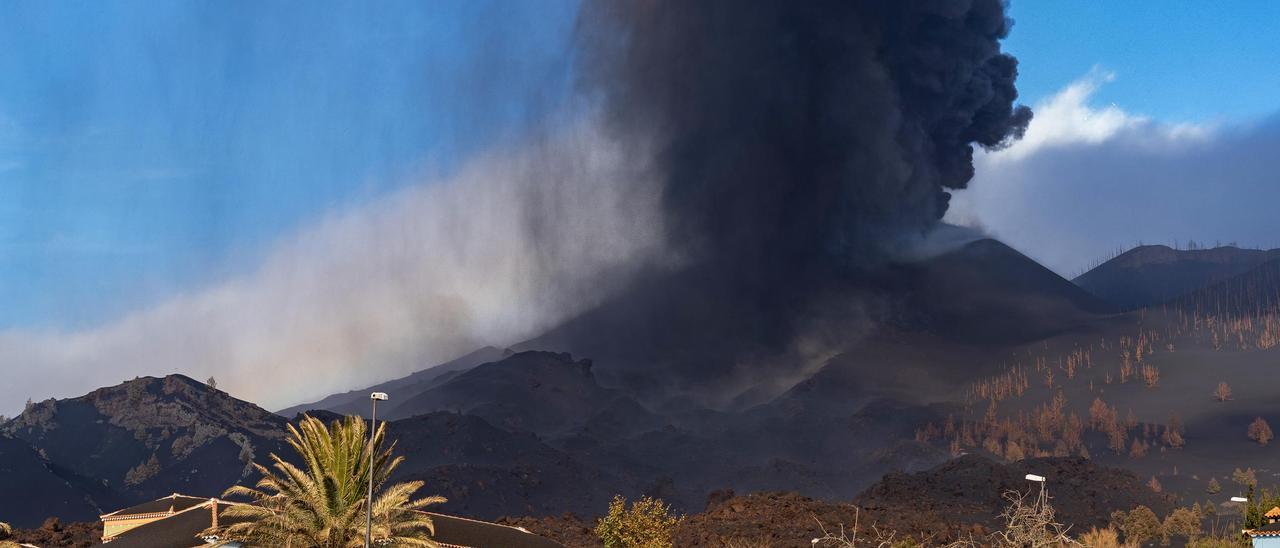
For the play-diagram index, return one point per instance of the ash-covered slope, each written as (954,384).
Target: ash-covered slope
(988,292)
(487,472)
(941,323)
(1251,293)
(954,319)
(149,437)
(356,402)
(42,491)
(1152,274)
(932,317)
(543,392)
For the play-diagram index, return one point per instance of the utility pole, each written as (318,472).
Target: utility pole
(373,428)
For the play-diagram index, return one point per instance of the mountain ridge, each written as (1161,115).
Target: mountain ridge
(1152,274)
(148,437)
(355,401)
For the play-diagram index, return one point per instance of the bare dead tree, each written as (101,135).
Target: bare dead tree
(876,537)
(1030,523)
(850,539)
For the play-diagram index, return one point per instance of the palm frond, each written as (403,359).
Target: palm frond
(322,501)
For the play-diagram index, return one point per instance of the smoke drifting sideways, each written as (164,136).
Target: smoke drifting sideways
(795,143)
(519,239)
(724,161)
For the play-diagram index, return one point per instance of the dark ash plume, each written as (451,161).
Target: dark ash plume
(801,135)
(798,144)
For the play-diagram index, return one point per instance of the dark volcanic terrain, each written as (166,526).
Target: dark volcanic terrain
(980,351)
(959,499)
(1152,274)
(355,401)
(137,441)
(46,493)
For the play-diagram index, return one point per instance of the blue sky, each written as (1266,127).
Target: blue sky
(147,148)
(1175,60)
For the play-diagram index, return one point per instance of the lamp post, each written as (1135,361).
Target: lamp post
(373,425)
(1041,500)
(1037,479)
(1244,512)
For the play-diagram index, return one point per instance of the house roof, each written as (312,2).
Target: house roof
(1273,513)
(181,529)
(1268,530)
(174,503)
(177,531)
(469,533)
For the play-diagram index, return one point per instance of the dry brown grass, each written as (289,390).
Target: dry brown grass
(1103,538)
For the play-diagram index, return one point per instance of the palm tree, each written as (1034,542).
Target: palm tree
(5,532)
(323,505)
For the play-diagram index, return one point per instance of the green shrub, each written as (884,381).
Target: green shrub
(1181,522)
(648,523)
(1138,525)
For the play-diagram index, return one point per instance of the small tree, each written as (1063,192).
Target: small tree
(1150,375)
(1253,512)
(1223,393)
(1181,522)
(1138,449)
(1014,452)
(1214,487)
(648,523)
(1099,413)
(1173,431)
(1246,478)
(1115,437)
(1154,484)
(1260,431)
(1138,525)
(1101,538)
(213,383)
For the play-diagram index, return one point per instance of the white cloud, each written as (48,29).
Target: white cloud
(1067,118)
(514,242)
(1087,180)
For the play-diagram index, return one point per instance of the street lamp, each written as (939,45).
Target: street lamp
(1239,499)
(374,398)
(1041,499)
